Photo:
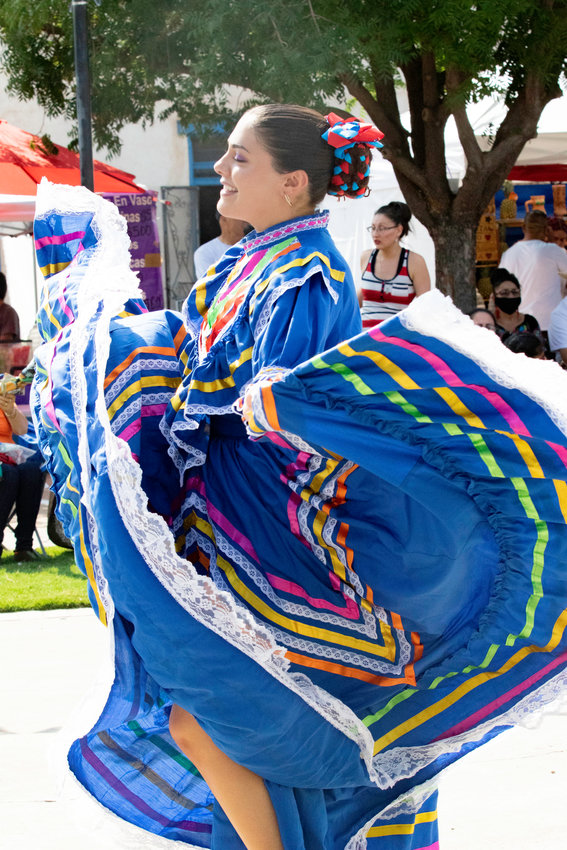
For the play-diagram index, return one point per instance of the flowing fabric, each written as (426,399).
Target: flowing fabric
(351,592)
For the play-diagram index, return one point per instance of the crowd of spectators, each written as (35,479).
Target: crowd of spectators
(528,304)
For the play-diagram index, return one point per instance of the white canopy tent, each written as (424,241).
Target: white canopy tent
(350,218)
(550,145)
(16,208)
(18,258)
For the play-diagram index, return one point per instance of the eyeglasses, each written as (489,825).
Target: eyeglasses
(381,229)
(508,293)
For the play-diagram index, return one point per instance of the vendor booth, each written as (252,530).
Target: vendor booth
(24,160)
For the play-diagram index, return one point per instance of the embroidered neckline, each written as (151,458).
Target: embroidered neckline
(317,221)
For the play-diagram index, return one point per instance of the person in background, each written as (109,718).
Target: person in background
(507,297)
(558,333)
(392,276)
(9,321)
(483,318)
(524,342)
(20,483)
(232,231)
(538,265)
(557,231)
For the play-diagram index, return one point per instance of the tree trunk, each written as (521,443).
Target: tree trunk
(455,255)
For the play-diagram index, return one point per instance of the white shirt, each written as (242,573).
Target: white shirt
(537,265)
(558,327)
(207,255)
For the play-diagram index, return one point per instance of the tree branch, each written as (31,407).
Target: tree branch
(312,14)
(412,75)
(455,81)
(383,109)
(434,118)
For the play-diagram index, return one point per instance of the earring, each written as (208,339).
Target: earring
(288,200)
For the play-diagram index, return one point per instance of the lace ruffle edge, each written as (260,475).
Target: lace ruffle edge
(434,314)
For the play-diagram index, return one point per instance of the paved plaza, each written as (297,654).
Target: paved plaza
(510,795)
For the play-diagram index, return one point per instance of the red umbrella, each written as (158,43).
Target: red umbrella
(25,159)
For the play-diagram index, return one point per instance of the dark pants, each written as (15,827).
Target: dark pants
(22,485)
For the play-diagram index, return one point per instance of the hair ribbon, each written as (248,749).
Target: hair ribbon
(342,135)
(345,133)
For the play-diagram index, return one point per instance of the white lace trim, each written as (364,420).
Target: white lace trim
(267,308)
(550,698)
(317,221)
(134,408)
(260,581)
(403,762)
(113,240)
(217,610)
(434,314)
(168,366)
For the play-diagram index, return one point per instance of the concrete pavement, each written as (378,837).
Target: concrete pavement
(509,795)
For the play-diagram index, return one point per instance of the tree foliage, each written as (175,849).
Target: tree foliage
(184,55)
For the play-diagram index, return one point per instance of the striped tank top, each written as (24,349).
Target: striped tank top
(384,298)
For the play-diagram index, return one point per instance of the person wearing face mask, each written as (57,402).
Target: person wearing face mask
(507,297)
(540,267)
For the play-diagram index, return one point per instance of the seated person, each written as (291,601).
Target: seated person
(20,483)
(9,321)
(507,297)
(558,332)
(483,318)
(524,342)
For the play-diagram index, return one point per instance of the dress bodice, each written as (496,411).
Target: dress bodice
(274,299)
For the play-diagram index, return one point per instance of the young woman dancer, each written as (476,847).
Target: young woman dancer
(333,561)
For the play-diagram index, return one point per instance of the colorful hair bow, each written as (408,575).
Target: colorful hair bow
(344,135)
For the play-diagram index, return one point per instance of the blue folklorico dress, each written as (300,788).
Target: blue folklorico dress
(349,594)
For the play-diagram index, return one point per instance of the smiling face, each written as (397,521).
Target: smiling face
(252,190)
(384,231)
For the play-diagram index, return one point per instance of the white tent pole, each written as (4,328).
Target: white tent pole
(34,264)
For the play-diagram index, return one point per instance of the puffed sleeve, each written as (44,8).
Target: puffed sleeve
(303,321)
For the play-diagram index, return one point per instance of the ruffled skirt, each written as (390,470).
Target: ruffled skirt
(349,597)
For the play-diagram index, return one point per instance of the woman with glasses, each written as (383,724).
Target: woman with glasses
(507,297)
(392,276)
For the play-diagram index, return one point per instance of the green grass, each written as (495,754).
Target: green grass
(52,582)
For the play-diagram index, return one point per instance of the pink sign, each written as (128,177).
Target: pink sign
(139,210)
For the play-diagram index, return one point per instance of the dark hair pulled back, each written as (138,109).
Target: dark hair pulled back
(397,212)
(292,135)
(501,275)
(523,342)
